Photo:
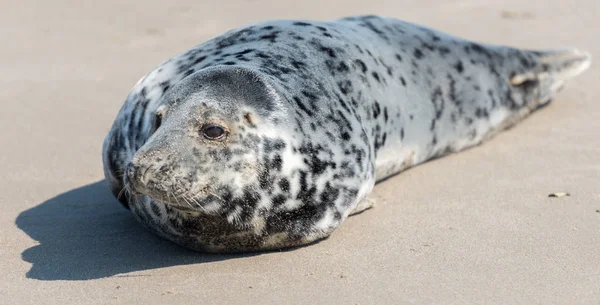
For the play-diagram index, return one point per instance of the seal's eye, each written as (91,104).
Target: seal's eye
(213,132)
(158,116)
(157,120)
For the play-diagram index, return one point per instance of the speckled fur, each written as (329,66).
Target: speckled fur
(316,114)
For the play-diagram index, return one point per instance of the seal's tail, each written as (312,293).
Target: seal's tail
(551,70)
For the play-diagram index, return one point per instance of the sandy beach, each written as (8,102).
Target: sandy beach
(476,227)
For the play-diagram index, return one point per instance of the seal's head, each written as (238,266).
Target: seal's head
(211,148)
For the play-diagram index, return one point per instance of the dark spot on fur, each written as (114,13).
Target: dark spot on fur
(302,24)
(481,113)
(403,81)
(278,200)
(198,60)
(263,55)
(284,185)
(246,51)
(459,66)
(376,76)
(329,51)
(298,64)
(272,37)
(302,107)
(345,87)
(418,53)
(361,65)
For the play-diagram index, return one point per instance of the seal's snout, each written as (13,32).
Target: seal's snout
(151,176)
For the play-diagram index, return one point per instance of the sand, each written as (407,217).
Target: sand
(474,228)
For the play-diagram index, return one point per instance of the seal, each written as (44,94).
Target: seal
(270,135)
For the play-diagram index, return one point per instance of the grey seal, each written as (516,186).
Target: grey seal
(270,135)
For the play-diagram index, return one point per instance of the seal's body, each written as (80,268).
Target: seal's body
(269,136)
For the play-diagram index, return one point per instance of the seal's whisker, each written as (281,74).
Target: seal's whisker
(131,198)
(177,201)
(121,192)
(119,172)
(216,196)
(196,203)
(128,192)
(202,193)
(186,201)
(168,198)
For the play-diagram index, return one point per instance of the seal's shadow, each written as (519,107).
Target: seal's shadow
(86,234)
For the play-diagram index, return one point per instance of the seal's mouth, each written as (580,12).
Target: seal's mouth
(181,204)
(205,201)
(141,181)
(181,194)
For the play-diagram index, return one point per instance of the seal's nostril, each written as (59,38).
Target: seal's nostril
(136,175)
(130,172)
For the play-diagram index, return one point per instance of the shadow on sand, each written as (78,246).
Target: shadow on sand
(86,234)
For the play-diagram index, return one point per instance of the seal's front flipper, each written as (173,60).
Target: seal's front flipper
(547,73)
(363,205)
(534,77)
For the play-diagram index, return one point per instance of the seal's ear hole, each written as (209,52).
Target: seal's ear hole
(250,119)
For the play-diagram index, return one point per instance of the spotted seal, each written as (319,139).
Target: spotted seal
(270,135)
